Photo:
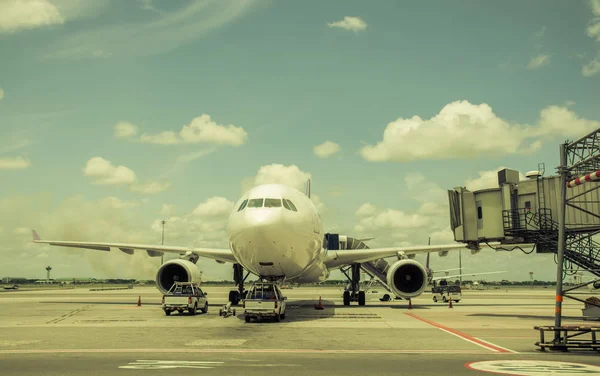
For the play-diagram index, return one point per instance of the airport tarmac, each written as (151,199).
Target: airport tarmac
(78,331)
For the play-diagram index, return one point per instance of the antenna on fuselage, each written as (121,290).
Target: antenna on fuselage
(308,188)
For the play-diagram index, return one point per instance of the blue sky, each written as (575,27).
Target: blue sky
(276,79)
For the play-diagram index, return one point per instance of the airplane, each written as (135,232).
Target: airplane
(276,233)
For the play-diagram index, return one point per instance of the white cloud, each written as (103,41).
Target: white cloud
(539,61)
(22,231)
(147,5)
(202,129)
(125,129)
(185,158)
(167,31)
(14,163)
(214,207)
(278,174)
(366,210)
(20,15)
(591,68)
(464,130)
(486,179)
(355,24)
(17,15)
(326,149)
(1,93)
(104,172)
(151,187)
(387,219)
(421,189)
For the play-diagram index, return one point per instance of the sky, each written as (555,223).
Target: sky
(115,115)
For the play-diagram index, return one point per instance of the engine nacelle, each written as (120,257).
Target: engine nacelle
(176,270)
(407,278)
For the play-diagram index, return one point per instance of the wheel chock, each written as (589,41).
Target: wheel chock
(409,303)
(139,301)
(320,304)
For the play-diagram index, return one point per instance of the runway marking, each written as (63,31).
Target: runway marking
(70,314)
(533,367)
(19,342)
(255,351)
(466,337)
(217,342)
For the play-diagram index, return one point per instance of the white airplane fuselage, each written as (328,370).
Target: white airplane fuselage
(275,239)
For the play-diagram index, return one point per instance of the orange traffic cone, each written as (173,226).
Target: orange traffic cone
(450,305)
(320,304)
(409,303)
(139,301)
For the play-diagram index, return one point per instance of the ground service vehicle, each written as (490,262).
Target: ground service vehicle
(264,300)
(185,296)
(446,293)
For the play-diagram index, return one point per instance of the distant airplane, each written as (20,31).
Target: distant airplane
(13,287)
(276,233)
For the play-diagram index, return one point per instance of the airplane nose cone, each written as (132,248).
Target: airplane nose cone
(262,218)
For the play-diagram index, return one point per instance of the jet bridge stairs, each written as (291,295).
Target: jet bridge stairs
(539,228)
(377,269)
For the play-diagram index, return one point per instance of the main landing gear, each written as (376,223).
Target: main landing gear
(238,276)
(353,292)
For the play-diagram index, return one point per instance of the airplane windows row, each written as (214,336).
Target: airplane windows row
(268,203)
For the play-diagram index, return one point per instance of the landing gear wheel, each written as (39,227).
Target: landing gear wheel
(435,299)
(247,318)
(361,298)
(220,311)
(444,299)
(456,301)
(346,298)
(168,313)
(234,297)
(234,312)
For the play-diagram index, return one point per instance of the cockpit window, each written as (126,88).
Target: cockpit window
(290,204)
(272,203)
(243,205)
(255,203)
(285,204)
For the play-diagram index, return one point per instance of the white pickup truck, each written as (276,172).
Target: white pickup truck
(185,296)
(264,300)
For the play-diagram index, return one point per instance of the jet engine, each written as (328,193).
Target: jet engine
(176,270)
(407,278)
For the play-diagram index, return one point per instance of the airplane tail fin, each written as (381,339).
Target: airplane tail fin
(308,188)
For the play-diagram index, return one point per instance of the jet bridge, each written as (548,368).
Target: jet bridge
(558,214)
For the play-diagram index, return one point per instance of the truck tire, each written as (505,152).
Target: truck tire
(205,309)
(168,313)
(435,299)
(278,317)
(346,298)
(193,311)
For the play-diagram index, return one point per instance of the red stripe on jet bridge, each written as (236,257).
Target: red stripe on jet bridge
(464,336)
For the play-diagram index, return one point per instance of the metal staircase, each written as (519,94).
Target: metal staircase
(539,228)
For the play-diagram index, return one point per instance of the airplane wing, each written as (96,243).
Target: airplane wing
(337,258)
(221,255)
(463,275)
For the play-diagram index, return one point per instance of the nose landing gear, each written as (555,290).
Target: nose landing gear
(238,276)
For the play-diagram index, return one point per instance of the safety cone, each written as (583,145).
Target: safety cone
(320,304)
(139,301)
(450,305)
(409,303)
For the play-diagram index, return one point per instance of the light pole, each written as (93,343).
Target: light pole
(460,266)
(162,240)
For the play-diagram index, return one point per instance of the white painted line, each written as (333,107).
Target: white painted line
(493,344)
